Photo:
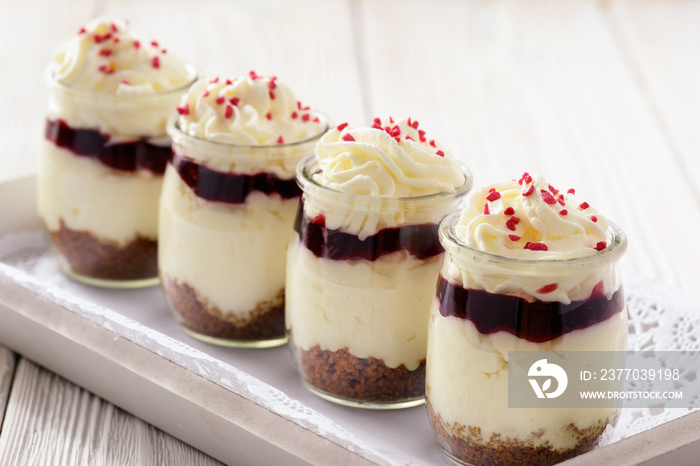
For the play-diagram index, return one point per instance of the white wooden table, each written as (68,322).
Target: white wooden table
(603,96)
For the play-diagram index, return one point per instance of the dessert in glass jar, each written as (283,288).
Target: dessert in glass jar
(363,264)
(104,152)
(527,268)
(228,206)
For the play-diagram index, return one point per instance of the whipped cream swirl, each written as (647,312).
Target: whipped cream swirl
(106,56)
(252,110)
(388,159)
(529,218)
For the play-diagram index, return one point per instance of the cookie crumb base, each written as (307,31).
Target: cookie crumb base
(352,380)
(466,445)
(263,328)
(92,260)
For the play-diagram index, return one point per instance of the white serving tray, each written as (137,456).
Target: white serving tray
(239,406)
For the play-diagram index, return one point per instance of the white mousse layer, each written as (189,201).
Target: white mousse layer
(233,255)
(467,380)
(375,308)
(90,196)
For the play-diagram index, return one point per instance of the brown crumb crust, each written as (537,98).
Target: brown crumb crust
(466,444)
(346,376)
(87,255)
(266,321)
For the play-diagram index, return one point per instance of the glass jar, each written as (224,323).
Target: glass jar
(100,175)
(361,274)
(483,309)
(226,217)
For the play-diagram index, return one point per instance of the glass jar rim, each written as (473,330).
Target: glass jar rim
(616,246)
(305,181)
(176,133)
(192,76)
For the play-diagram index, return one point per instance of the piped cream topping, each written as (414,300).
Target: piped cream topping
(389,159)
(107,56)
(529,218)
(251,110)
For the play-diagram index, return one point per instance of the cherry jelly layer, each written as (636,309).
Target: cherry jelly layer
(232,188)
(536,321)
(419,240)
(127,156)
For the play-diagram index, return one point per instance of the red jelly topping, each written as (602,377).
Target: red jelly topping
(536,321)
(419,240)
(232,188)
(127,156)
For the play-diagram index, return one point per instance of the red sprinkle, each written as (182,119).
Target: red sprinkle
(547,197)
(510,224)
(220,100)
(601,245)
(348,137)
(268,116)
(536,246)
(295,115)
(272,95)
(515,219)
(514,237)
(553,190)
(493,195)
(154,43)
(105,52)
(137,44)
(395,131)
(214,81)
(82,31)
(305,117)
(548,288)
(280,140)
(229,111)
(487,211)
(571,191)
(563,212)
(234,101)
(560,200)
(509,211)
(253,74)
(594,219)
(432,142)
(529,190)
(584,205)
(114,27)
(229,82)
(272,84)
(205,93)
(341,126)
(184,110)
(155,62)
(316,120)
(106,69)
(441,154)
(526,178)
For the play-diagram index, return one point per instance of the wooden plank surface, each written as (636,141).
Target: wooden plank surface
(7,372)
(51,421)
(598,95)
